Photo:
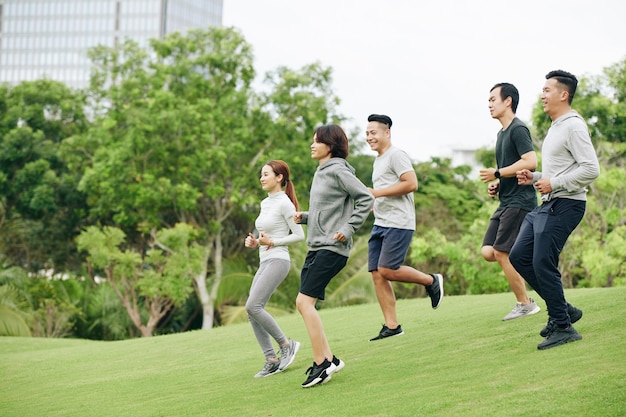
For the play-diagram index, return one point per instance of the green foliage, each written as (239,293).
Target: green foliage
(40,207)
(446,198)
(161,277)
(13,312)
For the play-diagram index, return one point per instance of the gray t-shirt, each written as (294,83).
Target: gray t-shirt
(398,211)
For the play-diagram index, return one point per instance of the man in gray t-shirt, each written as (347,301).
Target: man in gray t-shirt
(394,182)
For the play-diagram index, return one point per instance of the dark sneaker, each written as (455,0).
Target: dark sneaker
(435,290)
(559,337)
(339,364)
(575,314)
(387,332)
(288,354)
(319,374)
(270,368)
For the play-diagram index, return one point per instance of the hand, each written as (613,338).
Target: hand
(543,186)
(251,241)
(265,240)
(340,237)
(524,177)
(493,188)
(487,174)
(297,217)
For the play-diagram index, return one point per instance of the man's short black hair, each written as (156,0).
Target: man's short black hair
(508,90)
(568,79)
(380,118)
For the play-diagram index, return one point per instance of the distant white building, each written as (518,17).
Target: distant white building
(465,156)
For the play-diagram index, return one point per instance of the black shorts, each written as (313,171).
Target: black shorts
(503,228)
(319,268)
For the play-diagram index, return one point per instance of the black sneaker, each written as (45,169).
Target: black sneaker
(339,364)
(575,314)
(435,290)
(559,337)
(319,374)
(387,332)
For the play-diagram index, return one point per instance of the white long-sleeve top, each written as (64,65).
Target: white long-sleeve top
(276,221)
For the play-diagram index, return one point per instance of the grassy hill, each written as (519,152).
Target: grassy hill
(459,360)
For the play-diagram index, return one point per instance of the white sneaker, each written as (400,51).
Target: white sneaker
(522,310)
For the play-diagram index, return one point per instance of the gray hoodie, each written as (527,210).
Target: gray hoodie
(568,158)
(339,202)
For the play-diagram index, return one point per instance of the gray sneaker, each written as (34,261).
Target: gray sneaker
(522,310)
(288,354)
(270,368)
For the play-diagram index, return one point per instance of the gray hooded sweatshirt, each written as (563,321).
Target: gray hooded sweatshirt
(568,158)
(339,202)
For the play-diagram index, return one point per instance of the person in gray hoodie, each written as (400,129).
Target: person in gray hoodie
(569,164)
(339,204)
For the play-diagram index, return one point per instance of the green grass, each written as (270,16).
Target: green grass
(460,360)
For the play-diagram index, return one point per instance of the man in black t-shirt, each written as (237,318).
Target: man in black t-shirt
(514,152)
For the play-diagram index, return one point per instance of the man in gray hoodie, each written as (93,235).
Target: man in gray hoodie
(570,164)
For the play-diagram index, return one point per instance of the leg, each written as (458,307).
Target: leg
(504,226)
(386,299)
(269,276)
(516,282)
(318,269)
(406,274)
(315,328)
(555,222)
(522,252)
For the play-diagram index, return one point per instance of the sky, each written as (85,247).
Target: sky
(429,65)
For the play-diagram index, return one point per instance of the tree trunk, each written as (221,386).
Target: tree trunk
(203,293)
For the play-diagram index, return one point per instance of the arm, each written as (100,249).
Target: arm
(363,203)
(587,168)
(527,161)
(301,217)
(296,235)
(407,184)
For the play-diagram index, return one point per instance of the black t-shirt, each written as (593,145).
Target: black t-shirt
(512,143)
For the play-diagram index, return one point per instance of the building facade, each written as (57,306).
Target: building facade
(50,38)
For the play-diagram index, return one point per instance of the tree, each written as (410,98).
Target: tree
(180,137)
(40,207)
(159,279)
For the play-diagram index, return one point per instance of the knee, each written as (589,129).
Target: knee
(500,256)
(252,309)
(488,253)
(387,274)
(377,277)
(300,304)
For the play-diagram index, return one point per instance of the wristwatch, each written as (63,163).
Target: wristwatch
(497,173)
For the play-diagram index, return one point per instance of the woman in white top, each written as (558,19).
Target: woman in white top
(277,229)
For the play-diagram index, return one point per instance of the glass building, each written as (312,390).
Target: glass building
(50,38)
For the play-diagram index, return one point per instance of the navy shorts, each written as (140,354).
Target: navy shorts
(319,268)
(503,228)
(387,247)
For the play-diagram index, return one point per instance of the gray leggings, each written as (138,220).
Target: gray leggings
(269,276)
